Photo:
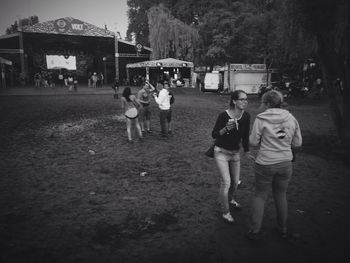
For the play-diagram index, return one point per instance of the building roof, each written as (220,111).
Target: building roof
(68,26)
(167,63)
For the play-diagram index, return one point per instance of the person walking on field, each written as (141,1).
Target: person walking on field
(100,79)
(94,79)
(115,87)
(129,107)
(230,131)
(89,79)
(144,97)
(163,101)
(274,132)
(37,79)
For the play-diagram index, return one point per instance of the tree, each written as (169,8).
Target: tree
(32,20)
(138,22)
(328,22)
(169,37)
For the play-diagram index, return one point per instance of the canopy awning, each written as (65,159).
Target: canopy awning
(166,63)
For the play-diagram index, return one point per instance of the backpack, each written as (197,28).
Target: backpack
(172,99)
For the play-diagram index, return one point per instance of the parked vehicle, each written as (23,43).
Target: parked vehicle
(212,82)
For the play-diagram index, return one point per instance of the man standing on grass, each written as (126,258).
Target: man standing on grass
(163,101)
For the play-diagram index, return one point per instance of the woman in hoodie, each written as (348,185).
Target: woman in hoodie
(231,129)
(274,132)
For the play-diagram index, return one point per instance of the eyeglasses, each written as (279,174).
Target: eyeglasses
(243,99)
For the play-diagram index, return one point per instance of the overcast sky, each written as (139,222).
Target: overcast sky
(113,13)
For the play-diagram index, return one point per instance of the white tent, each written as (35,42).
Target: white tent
(163,64)
(166,63)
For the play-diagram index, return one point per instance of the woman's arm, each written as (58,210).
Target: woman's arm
(160,98)
(135,101)
(152,87)
(219,127)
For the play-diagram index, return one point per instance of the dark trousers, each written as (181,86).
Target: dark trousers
(165,119)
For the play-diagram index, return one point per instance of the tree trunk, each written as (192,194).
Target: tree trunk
(335,66)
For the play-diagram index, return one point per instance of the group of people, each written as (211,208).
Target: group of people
(137,108)
(49,79)
(44,79)
(275,133)
(95,80)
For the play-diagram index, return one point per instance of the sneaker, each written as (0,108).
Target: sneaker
(228,218)
(235,204)
(283,232)
(149,131)
(253,236)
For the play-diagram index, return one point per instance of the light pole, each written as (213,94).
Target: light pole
(105,69)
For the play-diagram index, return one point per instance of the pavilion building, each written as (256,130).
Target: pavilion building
(68,44)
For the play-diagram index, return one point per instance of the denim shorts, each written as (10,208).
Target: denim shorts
(279,174)
(226,155)
(145,113)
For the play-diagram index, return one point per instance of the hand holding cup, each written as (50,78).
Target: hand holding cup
(231,124)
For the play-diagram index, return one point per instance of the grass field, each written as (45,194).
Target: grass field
(71,190)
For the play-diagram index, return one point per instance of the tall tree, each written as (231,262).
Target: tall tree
(328,21)
(138,23)
(169,37)
(29,21)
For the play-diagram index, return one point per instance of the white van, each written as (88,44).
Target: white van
(212,81)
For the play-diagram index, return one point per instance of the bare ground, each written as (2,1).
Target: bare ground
(71,190)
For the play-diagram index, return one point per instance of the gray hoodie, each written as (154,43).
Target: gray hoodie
(275,130)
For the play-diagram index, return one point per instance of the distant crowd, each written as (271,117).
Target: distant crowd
(49,79)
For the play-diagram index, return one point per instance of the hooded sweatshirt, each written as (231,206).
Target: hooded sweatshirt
(275,130)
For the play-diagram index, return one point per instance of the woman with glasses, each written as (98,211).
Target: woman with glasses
(230,131)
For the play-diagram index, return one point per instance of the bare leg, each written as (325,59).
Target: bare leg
(138,127)
(142,125)
(128,129)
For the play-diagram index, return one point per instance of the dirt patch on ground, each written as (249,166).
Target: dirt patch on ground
(71,190)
